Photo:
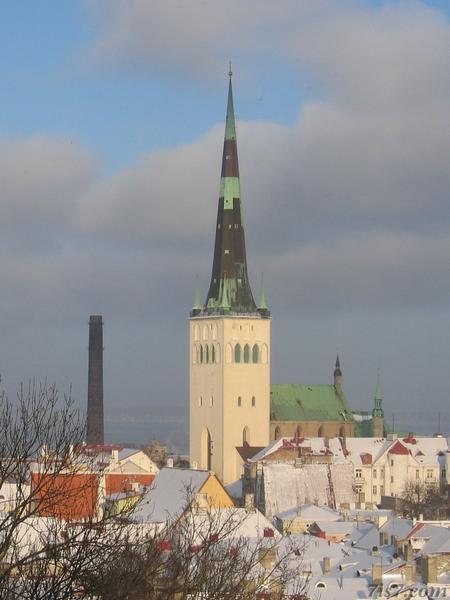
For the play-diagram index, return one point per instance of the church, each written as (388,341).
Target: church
(233,409)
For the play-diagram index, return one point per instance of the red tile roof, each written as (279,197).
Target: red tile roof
(398,448)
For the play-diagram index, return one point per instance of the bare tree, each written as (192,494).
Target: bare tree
(421,499)
(47,555)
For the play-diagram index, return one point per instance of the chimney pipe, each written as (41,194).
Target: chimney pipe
(95,382)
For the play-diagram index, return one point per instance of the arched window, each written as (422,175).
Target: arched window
(206,354)
(194,355)
(239,403)
(246,436)
(200,401)
(206,450)
(196,333)
(228,354)
(246,353)
(237,353)
(211,401)
(264,354)
(320,432)
(255,353)
(217,354)
(253,401)
(205,333)
(277,433)
(214,332)
(213,354)
(201,354)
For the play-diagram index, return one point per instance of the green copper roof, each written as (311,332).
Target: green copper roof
(378,404)
(229,289)
(230,125)
(295,402)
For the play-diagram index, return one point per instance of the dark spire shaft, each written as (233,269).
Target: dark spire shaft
(229,274)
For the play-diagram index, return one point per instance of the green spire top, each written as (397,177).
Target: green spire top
(230,126)
(229,289)
(378,408)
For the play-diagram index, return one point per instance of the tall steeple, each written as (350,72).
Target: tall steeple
(229,290)
(378,429)
(378,405)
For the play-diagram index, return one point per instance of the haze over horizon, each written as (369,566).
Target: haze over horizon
(111,136)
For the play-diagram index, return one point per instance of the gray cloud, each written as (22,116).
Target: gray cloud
(346,211)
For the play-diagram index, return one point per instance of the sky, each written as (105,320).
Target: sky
(111,128)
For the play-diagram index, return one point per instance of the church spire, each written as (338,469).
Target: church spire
(229,272)
(378,405)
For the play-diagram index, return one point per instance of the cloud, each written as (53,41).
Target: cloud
(192,39)
(41,177)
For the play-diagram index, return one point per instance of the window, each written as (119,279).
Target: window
(381,490)
(246,353)
(429,473)
(253,401)
(200,400)
(213,354)
(417,474)
(239,403)
(358,473)
(206,352)
(211,401)
(392,479)
(245,436)
(392,462)
(255,353)
(237,353)
(374,490)
(201,354)
(374,473)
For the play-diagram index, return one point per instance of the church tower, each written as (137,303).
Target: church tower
(229,364)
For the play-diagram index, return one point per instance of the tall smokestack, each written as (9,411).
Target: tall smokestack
(95,382)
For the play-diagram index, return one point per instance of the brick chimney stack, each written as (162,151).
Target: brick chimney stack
(95,382)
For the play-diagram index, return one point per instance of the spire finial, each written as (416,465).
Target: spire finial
(337,367)
(230,72)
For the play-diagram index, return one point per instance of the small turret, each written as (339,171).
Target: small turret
(197,308)
(337,373)
(262,307)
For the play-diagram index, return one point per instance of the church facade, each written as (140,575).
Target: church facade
(233,409)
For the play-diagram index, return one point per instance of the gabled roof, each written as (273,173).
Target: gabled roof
(438,542)
(170,495)
(311,512)
(398,448)
(318,402)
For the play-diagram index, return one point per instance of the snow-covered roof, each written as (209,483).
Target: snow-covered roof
(362,450)
(336,527)
(127,452)
(439,541)
(285,487)
(310,512)
(397,526)
(169,495)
